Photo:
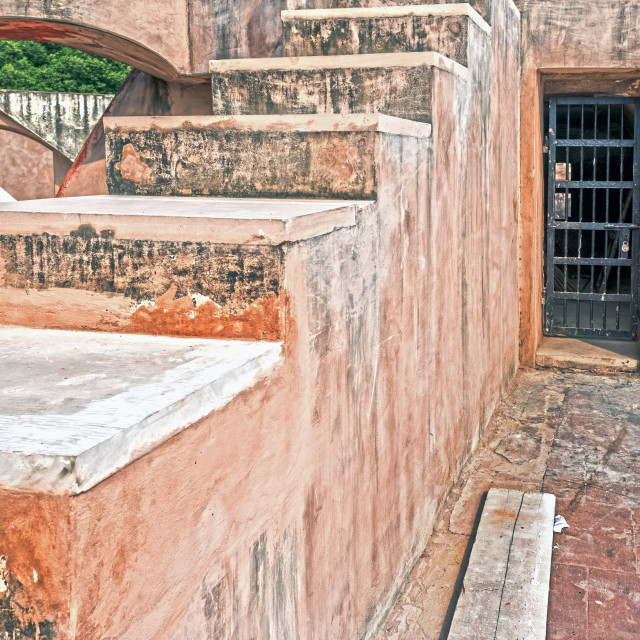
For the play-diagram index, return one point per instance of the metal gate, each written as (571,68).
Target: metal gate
(591,264)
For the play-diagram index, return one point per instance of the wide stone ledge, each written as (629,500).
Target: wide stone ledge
(279,156)
(180,219)
(76,407)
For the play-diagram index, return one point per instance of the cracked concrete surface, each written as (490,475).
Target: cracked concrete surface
(577,436)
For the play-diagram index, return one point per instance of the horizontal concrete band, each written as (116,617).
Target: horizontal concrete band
(357,61)
(456,9)
(65,428)
(182,219)
(336,123)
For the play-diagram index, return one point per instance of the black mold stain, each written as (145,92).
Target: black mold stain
(232,275)
(19,622)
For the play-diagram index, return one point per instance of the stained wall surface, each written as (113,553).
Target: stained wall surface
(64,120)
(298,510)
(587,47)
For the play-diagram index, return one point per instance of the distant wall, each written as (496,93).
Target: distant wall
(40,135)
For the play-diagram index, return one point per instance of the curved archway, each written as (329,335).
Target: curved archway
(93,40)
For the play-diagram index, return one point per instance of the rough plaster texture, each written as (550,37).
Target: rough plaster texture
(324,156)
(172,266)
(483,7)
(64,120)
(141,94)
(381,30)
(311,496)
(590,47)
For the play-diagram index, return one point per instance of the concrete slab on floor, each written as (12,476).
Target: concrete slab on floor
(571,434)
(589,354)
(77,406)
(506,585)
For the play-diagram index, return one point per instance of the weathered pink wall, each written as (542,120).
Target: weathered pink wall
(282,517)
(141,94)
(29,169)
(298,509)
(586,47)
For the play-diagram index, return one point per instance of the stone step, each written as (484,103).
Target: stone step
(396,84)
(324,156)
(196,267)
(323,32)
(483,7)
(79,406)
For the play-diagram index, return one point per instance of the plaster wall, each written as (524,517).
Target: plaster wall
(298,510)
(28,169)
(141,94)
(584,47)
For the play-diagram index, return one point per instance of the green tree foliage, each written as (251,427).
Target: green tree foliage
(38,66)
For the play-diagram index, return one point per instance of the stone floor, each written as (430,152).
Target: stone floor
(572,434)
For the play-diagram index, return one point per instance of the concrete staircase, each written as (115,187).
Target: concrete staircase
(320,205)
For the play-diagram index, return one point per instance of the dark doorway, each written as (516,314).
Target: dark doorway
(591,261)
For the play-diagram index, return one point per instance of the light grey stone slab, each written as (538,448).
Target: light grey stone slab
(75,407)
(224,220)
(506,586)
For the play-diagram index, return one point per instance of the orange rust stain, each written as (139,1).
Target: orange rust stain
(75,309)
(505,514)
(171,316)
(131,167)
(34,548)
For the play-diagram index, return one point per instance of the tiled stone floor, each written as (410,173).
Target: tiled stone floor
(572,434)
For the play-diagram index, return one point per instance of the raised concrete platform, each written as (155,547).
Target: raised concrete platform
(180,219)
(601,356)
(322,155)
(395,84)
(76,407)
(506,585)
(442,28)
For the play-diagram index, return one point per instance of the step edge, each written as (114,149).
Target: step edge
(213,229)
(355,61)
(75,472)
(303,123)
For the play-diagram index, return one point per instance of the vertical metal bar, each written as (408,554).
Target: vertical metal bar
(618,303)
(633,311)
(551,238)
(593,219)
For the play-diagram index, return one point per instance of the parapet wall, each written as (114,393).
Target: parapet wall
(63,120)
